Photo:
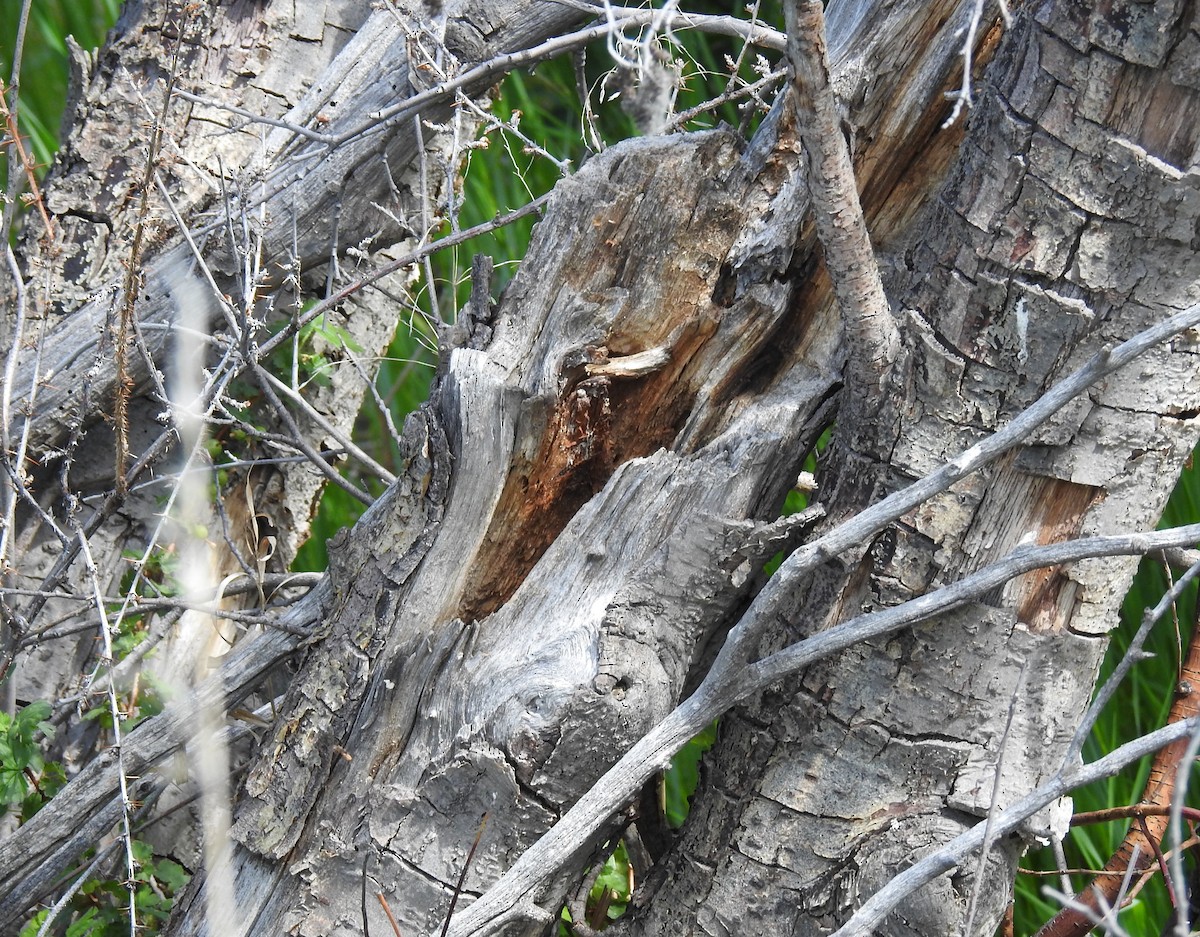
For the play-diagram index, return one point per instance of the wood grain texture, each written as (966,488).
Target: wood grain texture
(589,494)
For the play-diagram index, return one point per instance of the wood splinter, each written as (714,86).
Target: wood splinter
(636,365)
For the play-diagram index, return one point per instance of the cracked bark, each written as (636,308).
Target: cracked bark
(224,175)
(1006,282)
(584,496)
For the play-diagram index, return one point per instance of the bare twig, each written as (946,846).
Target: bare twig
(114,708)
(133,275)
(711,699)
(252,117)
(1175,829)
(962,97)
(263,380)
(871,331)
(24,161)
(950,856)
(348,446)
(755,90)
(1182,558)
(10,100)
(462,876)
(483,73)
(1126,812)
(870,521)
(1132,655)
(989,833)
(407,260)
(387,910)
(733,676)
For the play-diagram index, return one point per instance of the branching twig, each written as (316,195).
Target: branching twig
(348,446)
(721,690)
(481,74)
(733,676)
(864,525)
(683,118)
(407,260)
(263,380)
(1183,772)
(133,276)
(962,97)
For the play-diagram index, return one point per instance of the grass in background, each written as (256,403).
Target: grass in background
(1140,706)
(43,87)
(505,176)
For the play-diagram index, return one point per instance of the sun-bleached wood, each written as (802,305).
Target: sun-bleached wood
(586,500)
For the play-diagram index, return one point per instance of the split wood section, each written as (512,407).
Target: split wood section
(574,524)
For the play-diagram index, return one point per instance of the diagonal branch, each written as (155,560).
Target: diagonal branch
(28,860)
(871,332)
(872,913)
(733,676)
(513,893)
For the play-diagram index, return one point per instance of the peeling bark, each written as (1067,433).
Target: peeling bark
(816,791)
(587,498)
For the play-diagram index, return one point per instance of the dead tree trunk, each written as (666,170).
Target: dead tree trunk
(586,501)
(1024,263)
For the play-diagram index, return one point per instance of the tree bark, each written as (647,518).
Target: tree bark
(582,508)
(1017,270)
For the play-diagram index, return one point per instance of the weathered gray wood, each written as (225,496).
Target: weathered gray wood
(1003,291)
(502,719)
(251,193)
(585,496)
(282,62)
(34,857)
(483,448)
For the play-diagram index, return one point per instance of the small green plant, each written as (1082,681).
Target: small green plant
(27,780)
(609,895)
(101,906)
(611,892)
(140,698)
(313,353)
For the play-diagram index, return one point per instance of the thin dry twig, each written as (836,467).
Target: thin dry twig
(734,675)
(962,97)
(387,909)
(989,835)
(24,160)
(950,856)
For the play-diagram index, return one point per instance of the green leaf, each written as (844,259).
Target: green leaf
(171,874)
(615,874)
(681,778)
(86,924)
(13,786)
(33,714)
(35,924)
